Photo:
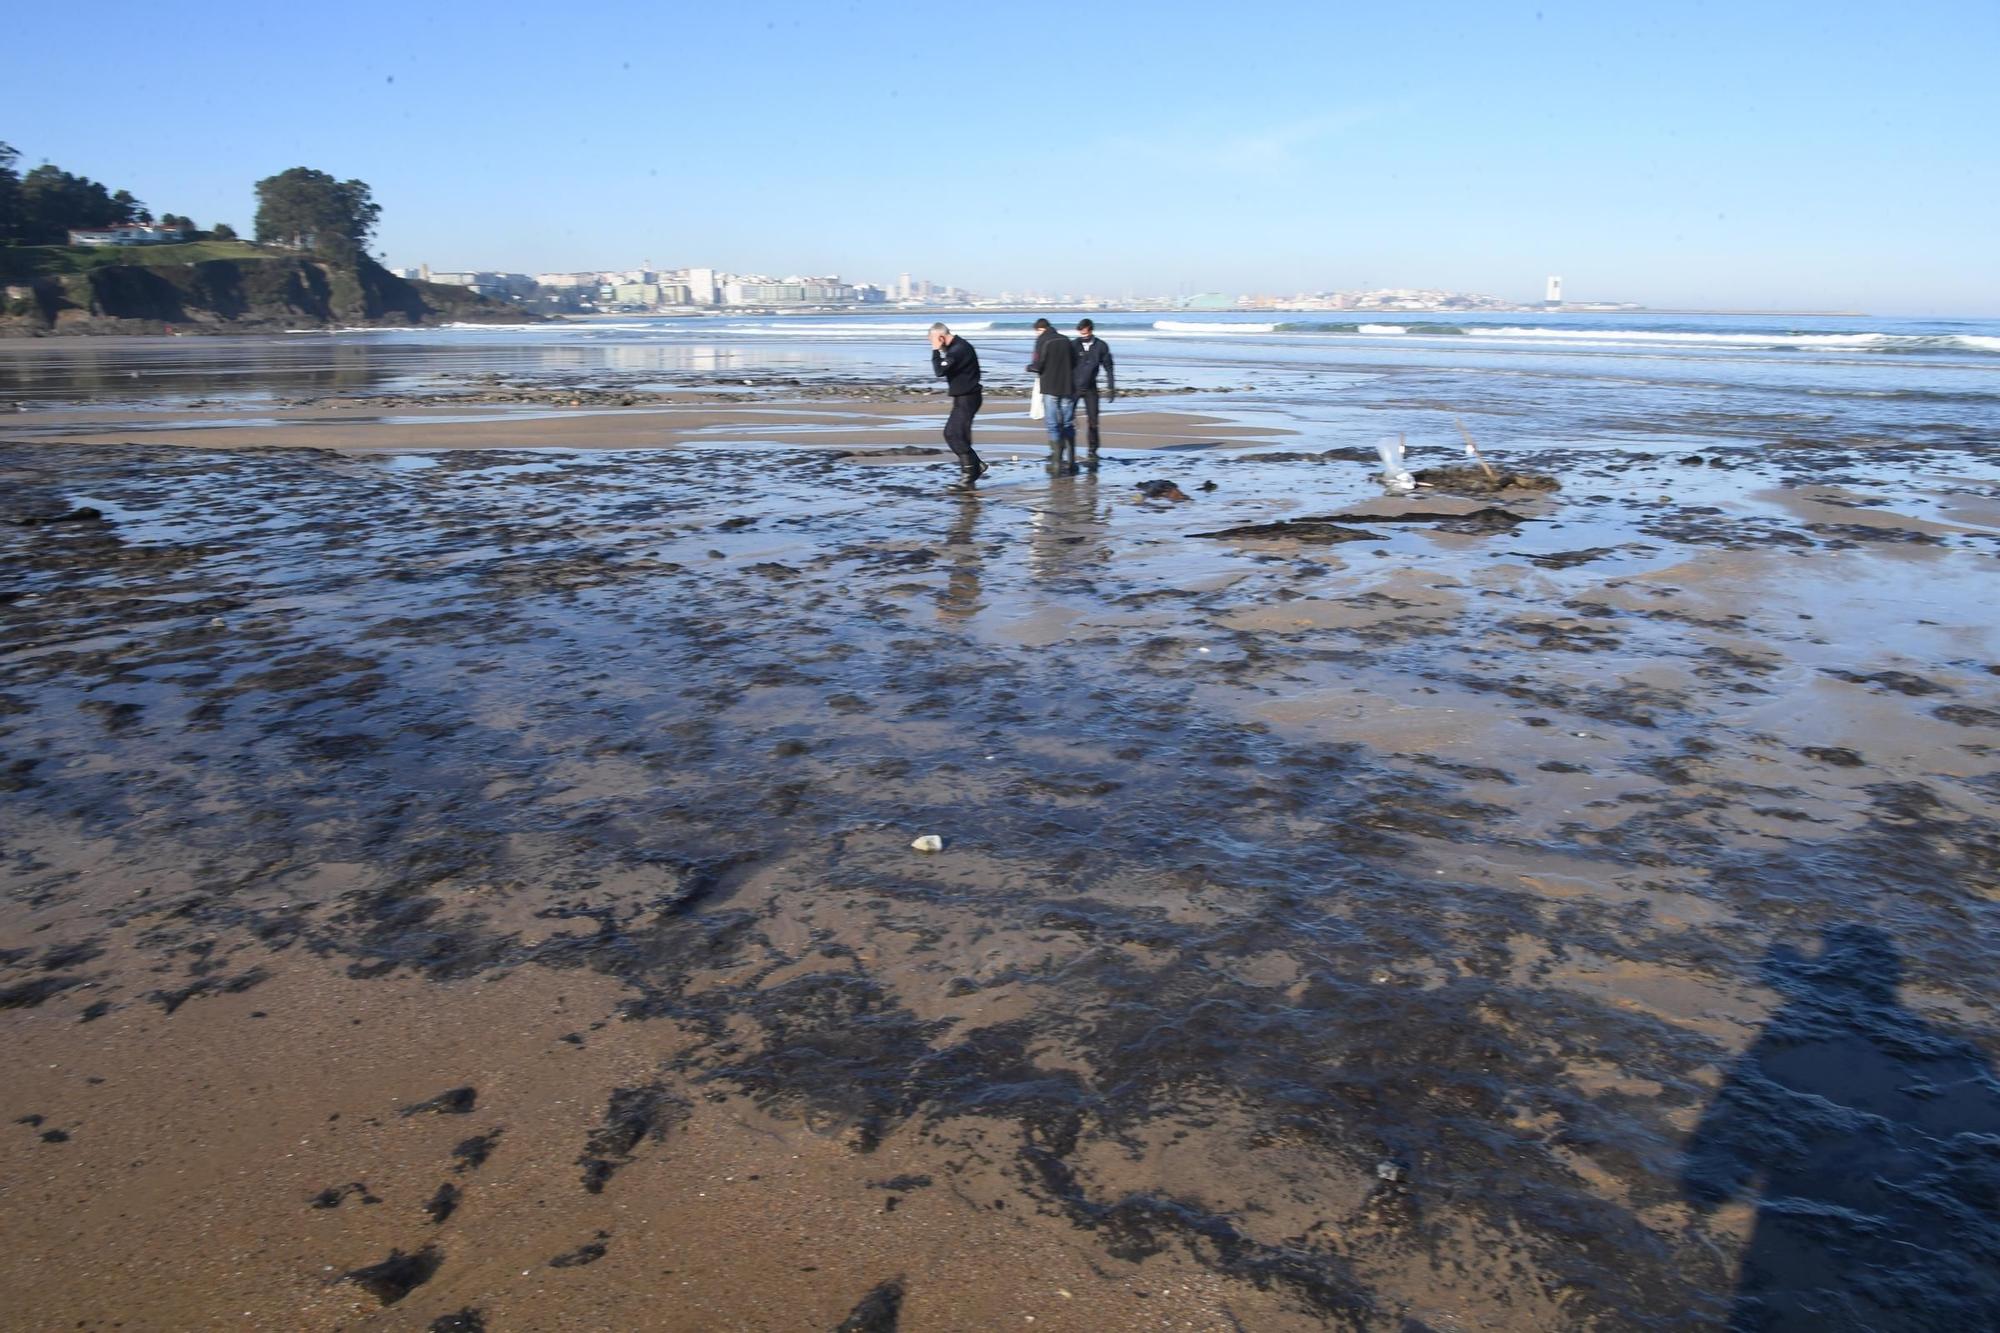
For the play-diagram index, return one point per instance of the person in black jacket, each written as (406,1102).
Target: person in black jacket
(1055,363)
(954,361)
(1043,332)
(1092,356)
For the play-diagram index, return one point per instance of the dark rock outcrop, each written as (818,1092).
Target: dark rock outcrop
(231,295)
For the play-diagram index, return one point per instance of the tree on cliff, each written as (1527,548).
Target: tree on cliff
(10,194)
(41,207)
(304,209)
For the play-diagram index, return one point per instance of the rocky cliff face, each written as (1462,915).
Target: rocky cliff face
(232,295)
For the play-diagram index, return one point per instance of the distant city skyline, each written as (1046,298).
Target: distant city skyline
(708,285)
(659,287)
(1530,291)
(1773,155)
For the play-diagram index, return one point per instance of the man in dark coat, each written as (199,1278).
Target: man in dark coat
(954,361)
(1043,332)
(1092,356)
(1055,364)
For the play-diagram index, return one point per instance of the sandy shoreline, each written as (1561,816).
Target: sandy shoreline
(1333,931)
(735,1218)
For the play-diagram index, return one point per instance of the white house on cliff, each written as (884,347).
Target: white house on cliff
(129,233)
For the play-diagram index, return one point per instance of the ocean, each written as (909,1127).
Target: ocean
(1518,379)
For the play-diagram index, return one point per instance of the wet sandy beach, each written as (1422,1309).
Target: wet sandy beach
(420,426)
(456,888)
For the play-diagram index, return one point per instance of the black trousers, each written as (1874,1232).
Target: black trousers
(958,426)
(1089,396)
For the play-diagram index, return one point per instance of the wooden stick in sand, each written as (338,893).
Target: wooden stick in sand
(1473,449)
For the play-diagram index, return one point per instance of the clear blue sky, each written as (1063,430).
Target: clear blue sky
(1719,154)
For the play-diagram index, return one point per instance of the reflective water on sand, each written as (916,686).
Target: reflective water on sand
(1588,922)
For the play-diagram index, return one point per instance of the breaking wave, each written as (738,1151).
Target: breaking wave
(1686,338)
(1198,326)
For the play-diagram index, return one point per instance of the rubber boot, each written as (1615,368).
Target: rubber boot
(970,469)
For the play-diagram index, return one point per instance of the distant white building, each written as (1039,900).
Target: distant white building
(487,284)
(129,233)
(630,295)
(829,290)
(1553,296)
(702,287)
(756,292)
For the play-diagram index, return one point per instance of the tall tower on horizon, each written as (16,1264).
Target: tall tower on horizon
(1553,297)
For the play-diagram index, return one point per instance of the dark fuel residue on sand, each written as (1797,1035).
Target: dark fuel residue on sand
(1553,908)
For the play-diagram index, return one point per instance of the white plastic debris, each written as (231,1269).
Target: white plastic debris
(930,842)
(1395,475)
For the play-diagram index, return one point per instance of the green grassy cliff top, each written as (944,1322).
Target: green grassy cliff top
(22,262)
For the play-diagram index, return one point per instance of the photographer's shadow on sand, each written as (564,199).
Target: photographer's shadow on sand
(1871,1143)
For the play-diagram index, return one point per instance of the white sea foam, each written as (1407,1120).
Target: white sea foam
(1196,326)
(1515,335)
(552,329)
(1857,342)
(1662,339)
(804,329)
(1665,336)
(829,332)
